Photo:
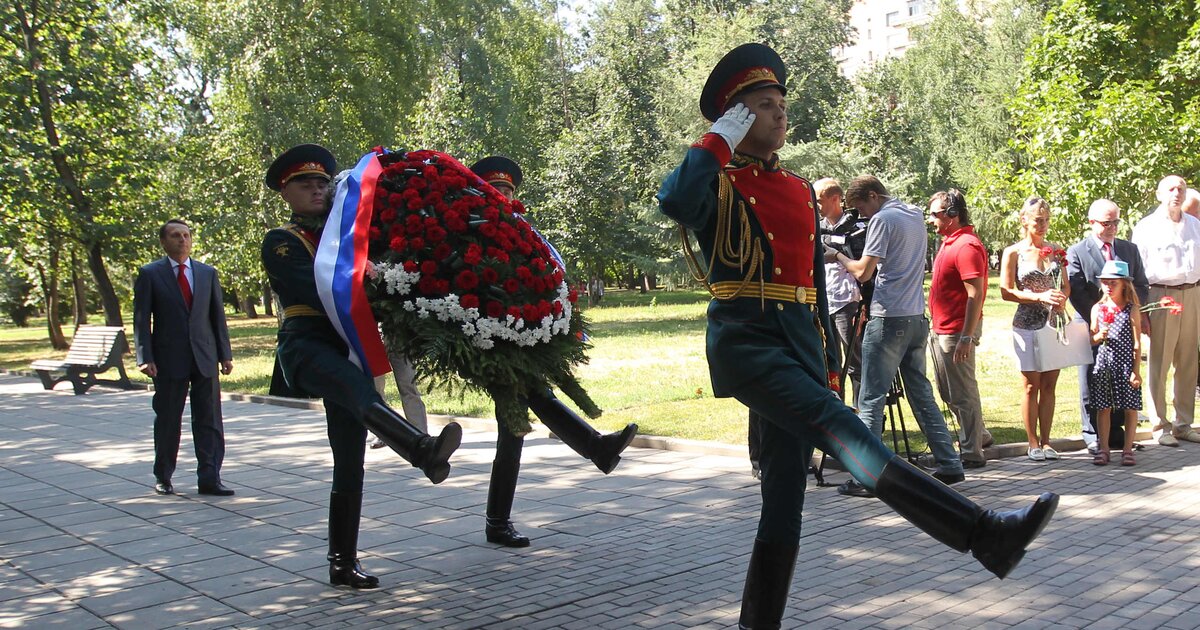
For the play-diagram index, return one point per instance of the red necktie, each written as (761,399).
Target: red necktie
(1108,251)
(184,287)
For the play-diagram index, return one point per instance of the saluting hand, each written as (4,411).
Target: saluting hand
(734,125)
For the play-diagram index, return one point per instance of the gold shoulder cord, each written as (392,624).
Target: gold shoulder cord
(295,230)
(747,252)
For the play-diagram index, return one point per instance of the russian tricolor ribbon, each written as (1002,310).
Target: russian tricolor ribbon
(341,263)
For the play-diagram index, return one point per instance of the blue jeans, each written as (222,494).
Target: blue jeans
(900,343)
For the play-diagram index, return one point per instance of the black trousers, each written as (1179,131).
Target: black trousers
(208,433)
(320,369)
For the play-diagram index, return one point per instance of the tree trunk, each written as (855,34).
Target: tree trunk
(630,278)
(268,300)
(652,281)
(250,308)
(79,288)
(49,282)
(108,296)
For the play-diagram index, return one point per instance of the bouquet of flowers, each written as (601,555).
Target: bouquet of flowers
(461,284)
(1167,303)
(1058,317)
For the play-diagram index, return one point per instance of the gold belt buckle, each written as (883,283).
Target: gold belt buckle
(800,295)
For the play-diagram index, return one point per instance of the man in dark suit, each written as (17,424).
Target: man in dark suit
(180,337)
(1084,261)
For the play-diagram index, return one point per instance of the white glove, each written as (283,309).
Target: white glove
(734,125)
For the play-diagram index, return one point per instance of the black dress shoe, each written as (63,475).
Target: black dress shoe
(164,487)
(973,463)
(502,532)
(854,489)
(217,490)
(949,478)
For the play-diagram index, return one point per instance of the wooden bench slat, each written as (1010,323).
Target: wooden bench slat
(94,350)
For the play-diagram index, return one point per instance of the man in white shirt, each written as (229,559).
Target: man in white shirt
(841,288)
(1168,240)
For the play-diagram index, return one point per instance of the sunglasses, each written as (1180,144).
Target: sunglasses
(1113,223)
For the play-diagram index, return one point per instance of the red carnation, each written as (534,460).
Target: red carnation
(525,248)
(1047,251)
(466,280)
(397,244)
(573,295)
(474,254)
(494,309)
(530,312)
(387,216)
(443,286)
(442,251)
(417,183)
(429,268)
(374,233)
(1107,314)
(557,307)
(416,204)
(429,172)
(395,199)
(518,207)
(427,285)
(411,265)
(469,300)
(524,273)
(488,230)
(515,311)
(435,234)
(511,286)
(489,275)
(417,243)
(539,264)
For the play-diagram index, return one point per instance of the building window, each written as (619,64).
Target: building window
(916,7)
(893,18)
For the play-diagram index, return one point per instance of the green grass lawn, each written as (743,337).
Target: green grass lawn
(647,366)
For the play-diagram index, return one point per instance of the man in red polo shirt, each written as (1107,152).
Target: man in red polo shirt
(960,275)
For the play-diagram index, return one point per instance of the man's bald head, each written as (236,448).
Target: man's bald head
(1172,190)
(1103,210)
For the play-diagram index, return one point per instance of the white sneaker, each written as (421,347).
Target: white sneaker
(1187,434)
(1166,439)
(1037,454)
(1049,453)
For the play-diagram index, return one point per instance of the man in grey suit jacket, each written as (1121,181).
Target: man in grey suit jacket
(1084,261)
(180,336)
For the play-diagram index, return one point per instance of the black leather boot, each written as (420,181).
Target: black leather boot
(768,582)
(997,539)
(503,487)
(603,450)
(429,454)
(344,570)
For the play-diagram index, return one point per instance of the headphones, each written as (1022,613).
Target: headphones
(954,203)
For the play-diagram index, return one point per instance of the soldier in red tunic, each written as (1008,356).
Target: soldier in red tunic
(757,225)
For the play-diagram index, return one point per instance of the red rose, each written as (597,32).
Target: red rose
(429,268)
(387,216)
(435,234)
(417,243)
(442,251)
(515,312)
(530,313)
(469,300)
(511,286)
(525,248)
(411,265)
(466,280)
(539,264)
(491,213)
(524,273)
(398,244)
(494,309)
(489,275)
(488,230)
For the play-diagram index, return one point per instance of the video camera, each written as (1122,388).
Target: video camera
(849,237)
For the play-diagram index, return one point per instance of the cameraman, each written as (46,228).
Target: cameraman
(844,232)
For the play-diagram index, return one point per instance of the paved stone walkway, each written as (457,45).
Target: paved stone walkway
(660,543)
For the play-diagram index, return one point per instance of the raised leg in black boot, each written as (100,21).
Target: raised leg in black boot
(603,450)
(430,454)
(997,539)
(505,469)
(345,509)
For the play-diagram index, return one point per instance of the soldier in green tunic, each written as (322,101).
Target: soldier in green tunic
(756,223)
(312,361)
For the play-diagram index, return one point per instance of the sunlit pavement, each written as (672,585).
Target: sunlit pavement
(660,543)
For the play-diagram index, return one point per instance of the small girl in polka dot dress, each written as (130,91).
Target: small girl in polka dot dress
(1116,379)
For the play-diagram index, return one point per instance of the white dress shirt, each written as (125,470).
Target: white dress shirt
(1170,250)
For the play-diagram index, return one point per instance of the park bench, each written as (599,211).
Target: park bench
(94,350)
